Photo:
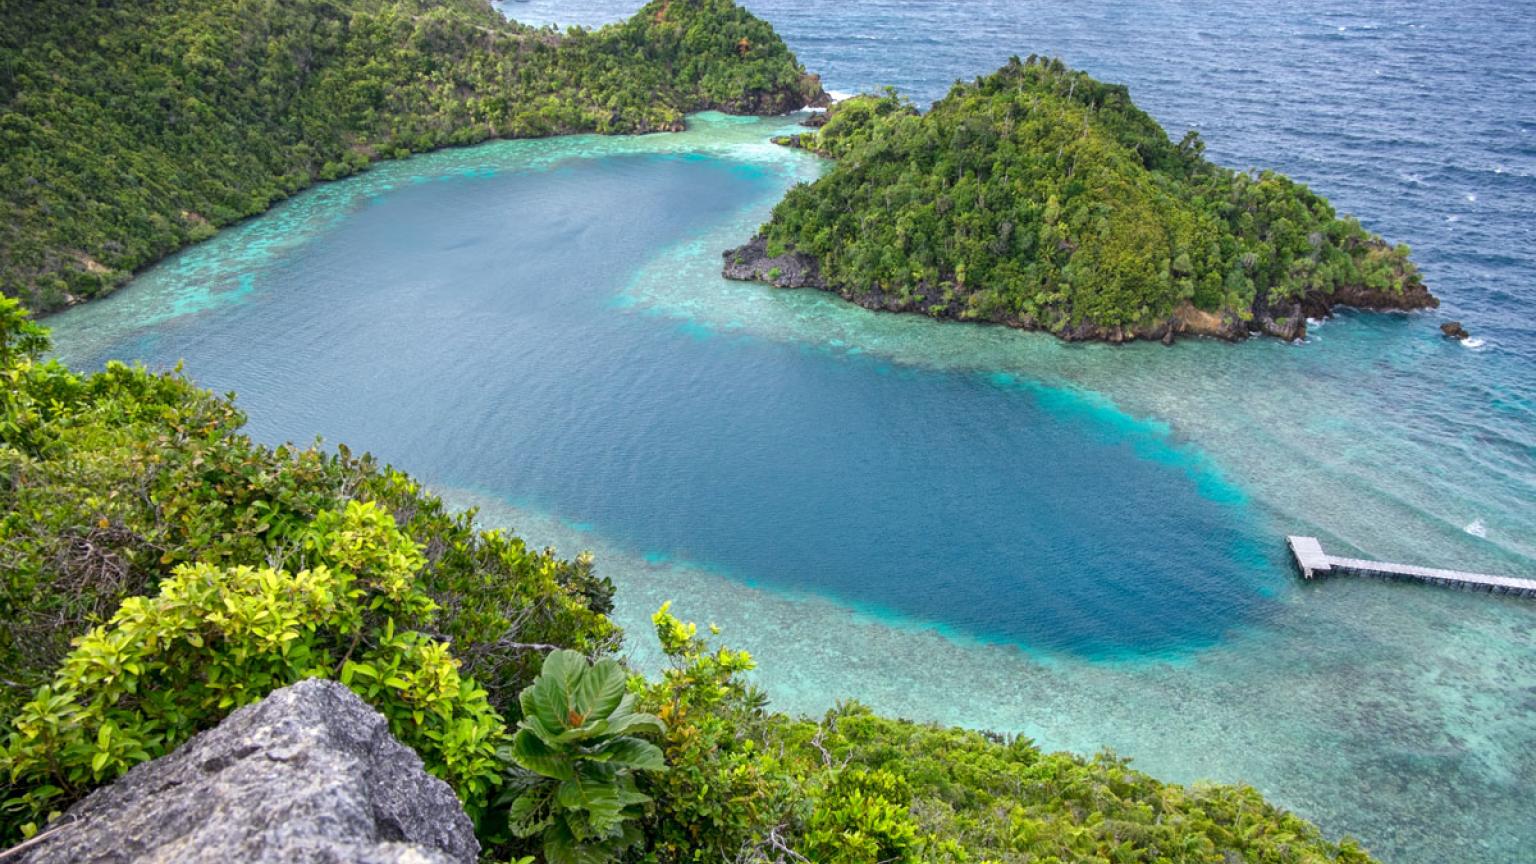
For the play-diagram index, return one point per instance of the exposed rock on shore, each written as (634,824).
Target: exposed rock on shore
(805,93)
(1284,319)
(752,263)
(309,774)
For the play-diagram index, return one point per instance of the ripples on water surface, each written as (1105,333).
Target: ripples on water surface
(968,524)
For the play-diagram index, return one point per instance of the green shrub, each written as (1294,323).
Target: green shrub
(20,337)
(729,787)
(978,797)
(861,817)
(499,600)
(213,639)
(858,788)
(576,738)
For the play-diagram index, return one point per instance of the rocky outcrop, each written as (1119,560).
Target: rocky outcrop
(1411,298)
(1454,330)
(1283,319)
(752,263)
(309,774)
(807,92)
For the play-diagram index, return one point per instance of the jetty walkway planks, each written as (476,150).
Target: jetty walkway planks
(1313,562)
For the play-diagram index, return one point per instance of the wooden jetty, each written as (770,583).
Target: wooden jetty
(1312,562)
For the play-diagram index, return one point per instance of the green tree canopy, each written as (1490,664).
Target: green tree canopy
(1039,196)
(128,130)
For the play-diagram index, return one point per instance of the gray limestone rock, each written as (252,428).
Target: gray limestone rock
(308,774)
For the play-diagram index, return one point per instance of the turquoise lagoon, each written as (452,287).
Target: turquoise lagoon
(963,524)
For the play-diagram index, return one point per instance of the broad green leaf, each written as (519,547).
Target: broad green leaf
(598,798)
(626,720)
(562,847)
(533,724)
(632,752)
(528,816)
(601,688)
(629,795)
(530,751)
(549,699)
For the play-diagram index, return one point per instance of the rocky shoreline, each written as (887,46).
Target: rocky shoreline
(804,93)
(1285,320)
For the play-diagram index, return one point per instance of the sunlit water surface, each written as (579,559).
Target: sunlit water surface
(957,523)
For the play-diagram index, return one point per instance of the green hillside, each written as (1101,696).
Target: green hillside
(128,130)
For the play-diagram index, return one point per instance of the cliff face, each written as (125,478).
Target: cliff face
(308,774)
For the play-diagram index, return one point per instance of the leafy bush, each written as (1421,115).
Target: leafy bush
(862,816)
(856,788)
(976,797)
(576,737)
(213,639)
(500,602)
(728,789)
(20,337)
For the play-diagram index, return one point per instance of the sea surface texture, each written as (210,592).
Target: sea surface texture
(967,524)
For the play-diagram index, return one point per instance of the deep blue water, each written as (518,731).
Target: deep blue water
(434,327)
(969,524)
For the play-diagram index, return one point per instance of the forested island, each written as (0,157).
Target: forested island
(1041,198)
(128,130)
